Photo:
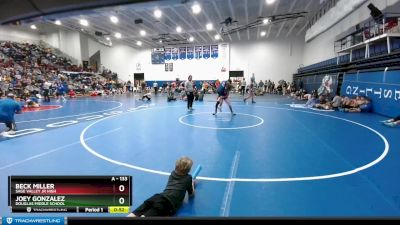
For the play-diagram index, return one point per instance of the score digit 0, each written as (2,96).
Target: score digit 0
(121,200)
(121,188)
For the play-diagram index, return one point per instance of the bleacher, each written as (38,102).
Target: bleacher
(24,67)
(376,49)
(316,66)
(377,77)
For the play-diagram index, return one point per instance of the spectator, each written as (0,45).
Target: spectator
(337,101)
(170,200)
(32,102)
(392,122)
(313,100)
(155,86)
(72,93)
(360,104)
(9,107)
(243,86)
(261,85)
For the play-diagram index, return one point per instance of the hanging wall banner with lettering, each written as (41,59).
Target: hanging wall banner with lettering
(206,51)
(174,53)
(167,54)
(190,52)
(182,53)
(214,51)
(198,52)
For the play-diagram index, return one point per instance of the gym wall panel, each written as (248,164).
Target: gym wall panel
(350,77)
(392,77)
(371,77)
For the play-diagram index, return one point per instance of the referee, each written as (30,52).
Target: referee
(189,87)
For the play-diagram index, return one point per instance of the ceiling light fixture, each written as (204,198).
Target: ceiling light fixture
(266,21)
(107,38)
(179,29)
(139,43)
(118,35)
(157,13)
(58,22)
(114,19)
(84,22)
(209,26)
(217,37)
(269,2)
(191,39)
(263,33)
(33,27)
(143,33)
(196,9)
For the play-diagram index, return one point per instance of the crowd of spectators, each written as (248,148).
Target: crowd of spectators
(337,102)
(25,68)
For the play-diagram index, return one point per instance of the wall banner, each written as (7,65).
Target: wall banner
(206,51)
(175,53)
(190,52)
(214,51)
(167,54)
(198,52)
(182,53)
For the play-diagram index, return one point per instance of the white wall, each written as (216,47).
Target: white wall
(52,39)
(342,9)
(322,47)
(200,69)
(18,34)
(270,59)
(273,59)
(84,45)
(70,44)
(118,58)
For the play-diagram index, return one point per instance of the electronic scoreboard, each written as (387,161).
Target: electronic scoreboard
(70,194)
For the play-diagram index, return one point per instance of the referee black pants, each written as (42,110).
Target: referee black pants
(190,98)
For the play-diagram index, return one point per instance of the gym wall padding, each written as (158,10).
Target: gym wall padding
(383,88)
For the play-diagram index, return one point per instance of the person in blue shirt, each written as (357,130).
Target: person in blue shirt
(9,107)
(60,92)
(32,102)
(223,95)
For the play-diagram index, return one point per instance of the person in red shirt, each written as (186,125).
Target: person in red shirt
(72,93)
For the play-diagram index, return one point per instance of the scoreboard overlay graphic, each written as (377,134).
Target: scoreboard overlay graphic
(70,194)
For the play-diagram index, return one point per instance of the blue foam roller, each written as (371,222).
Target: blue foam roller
(196,171)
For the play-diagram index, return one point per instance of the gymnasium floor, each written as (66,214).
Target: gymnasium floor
(270,160)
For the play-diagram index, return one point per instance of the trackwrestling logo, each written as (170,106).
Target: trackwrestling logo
(33,220)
